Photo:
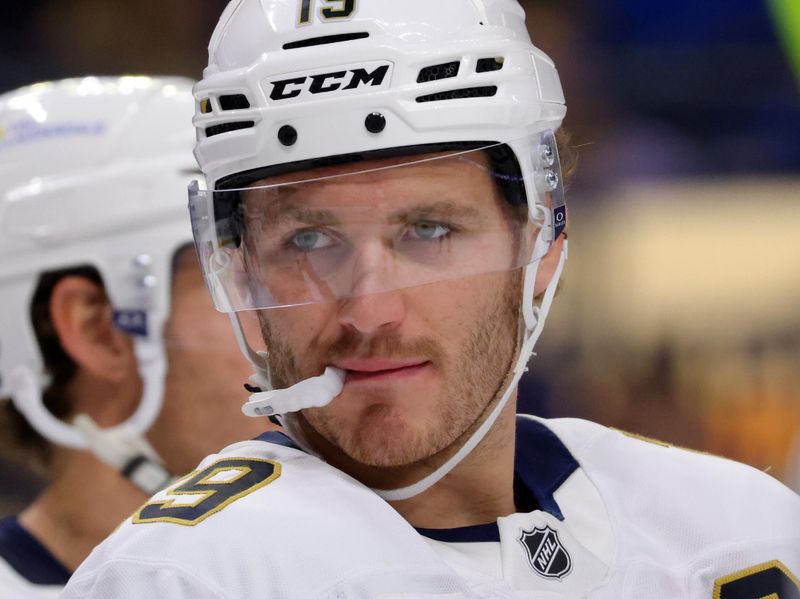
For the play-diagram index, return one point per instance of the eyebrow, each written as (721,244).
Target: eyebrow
(281,210)
(440,209)
(276,211)
(306,216)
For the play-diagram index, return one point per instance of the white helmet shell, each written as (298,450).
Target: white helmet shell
(92,173)
(443,71)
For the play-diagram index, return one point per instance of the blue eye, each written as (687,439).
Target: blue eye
(310,239)
(429,230)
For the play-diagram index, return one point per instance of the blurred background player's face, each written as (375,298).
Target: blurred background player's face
(203,393)
(423,362)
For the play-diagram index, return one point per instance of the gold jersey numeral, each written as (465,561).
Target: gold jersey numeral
(202,494)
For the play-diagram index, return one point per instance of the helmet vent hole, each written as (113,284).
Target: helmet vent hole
(486,65)
(228,127)
(438,71)
(326,39)
(460,94)
(234,102)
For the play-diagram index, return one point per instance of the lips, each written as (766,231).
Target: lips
(380,369)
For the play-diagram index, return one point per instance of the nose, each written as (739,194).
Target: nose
(372,305)
(373,313)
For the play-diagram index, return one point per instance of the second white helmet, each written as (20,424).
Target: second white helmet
(92,174)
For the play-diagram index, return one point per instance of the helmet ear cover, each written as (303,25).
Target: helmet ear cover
(227,200)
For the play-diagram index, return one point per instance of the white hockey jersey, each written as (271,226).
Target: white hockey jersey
(264,520)
(614,516)
(27,569)
(605,515)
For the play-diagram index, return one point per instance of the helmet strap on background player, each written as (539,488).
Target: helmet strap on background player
(124,446)
(88,185)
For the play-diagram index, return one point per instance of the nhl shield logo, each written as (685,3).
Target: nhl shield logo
(546,554)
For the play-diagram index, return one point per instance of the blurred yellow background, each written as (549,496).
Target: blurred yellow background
(680,316)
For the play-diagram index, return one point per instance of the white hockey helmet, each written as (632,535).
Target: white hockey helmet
(444,71)
(297,84)
(92,173)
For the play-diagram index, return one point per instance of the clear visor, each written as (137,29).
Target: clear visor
(380,225)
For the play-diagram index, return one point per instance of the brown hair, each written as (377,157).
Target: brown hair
(568,156)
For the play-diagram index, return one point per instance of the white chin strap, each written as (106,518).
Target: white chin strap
(534,324)
(320,391)
(123,447)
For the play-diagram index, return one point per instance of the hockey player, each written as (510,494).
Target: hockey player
(105,313)
(384,191)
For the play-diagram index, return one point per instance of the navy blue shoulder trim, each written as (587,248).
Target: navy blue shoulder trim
(543,462)
(31,560)
(480,533)
(278,438)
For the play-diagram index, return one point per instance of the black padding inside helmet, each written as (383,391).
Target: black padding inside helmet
(245,178)
(508,174)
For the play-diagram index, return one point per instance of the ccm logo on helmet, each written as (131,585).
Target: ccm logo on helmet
(343,79)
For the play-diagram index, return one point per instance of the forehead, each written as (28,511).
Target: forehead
(463,177)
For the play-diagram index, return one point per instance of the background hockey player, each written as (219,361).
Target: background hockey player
(105,314)
(385,192)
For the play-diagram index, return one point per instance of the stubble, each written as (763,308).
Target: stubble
(471,381)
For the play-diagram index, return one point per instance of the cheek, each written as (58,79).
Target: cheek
(447,311)
(302,330)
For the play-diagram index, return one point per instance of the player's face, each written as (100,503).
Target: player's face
(203,393)
(422,362)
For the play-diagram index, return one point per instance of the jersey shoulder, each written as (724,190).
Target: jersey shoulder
(688,500)
(266,509)
(656,464)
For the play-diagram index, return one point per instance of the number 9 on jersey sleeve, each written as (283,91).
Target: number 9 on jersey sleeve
(208,491)
(771,580)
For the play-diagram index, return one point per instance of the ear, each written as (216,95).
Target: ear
(547,267)
(82,319)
